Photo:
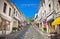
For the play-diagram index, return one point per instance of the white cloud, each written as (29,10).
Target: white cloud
(29,5)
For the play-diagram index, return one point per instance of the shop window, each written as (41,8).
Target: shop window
(9,11)
(8,26)
(4,24)
(4,9)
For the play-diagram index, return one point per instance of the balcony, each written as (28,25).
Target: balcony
(49,13)
(3,15)
(14,16)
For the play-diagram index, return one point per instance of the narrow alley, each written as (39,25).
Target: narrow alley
(29,19)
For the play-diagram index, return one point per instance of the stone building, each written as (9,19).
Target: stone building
(47,13)
(10,17)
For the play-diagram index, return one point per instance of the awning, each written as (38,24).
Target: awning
(56,21)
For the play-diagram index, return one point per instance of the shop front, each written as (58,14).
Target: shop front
(57,22)
(15,23)
(50,19)
(4,26)
(44,25)
(36,23)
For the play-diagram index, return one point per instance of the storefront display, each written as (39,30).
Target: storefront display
(44,23)
(57,22)
(4,24)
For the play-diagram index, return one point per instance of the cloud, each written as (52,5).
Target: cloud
(23,5)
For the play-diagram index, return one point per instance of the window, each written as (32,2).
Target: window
(19,15)
(59,2)
(9,11)
(8,25)
(57,6)
(49,0)
(4,9)
(36,16)
(14,11)
(44,1)
(49,5)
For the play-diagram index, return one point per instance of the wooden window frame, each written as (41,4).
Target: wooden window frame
(9,11)
(4,8)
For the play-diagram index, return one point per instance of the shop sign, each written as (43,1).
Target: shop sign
(44,23)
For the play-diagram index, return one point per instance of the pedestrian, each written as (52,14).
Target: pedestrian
(58,31)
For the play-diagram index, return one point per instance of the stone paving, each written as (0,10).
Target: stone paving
(27,33)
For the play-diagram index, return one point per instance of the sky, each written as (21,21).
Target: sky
(27,7)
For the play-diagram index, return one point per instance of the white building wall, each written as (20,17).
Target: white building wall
(54,6)
(40,13)
(1,5)
(6,15)
(57,7)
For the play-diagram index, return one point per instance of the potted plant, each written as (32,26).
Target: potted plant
(44,29)
(14,29)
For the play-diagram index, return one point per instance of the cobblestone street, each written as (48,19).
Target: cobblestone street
(29,19)
(27,33)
